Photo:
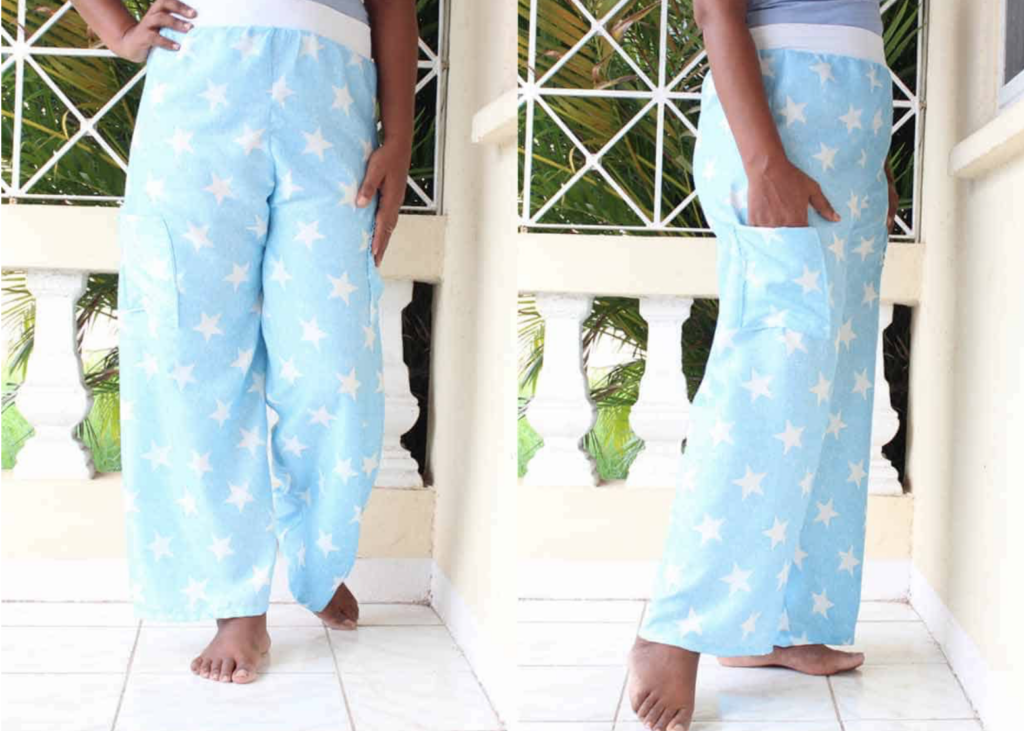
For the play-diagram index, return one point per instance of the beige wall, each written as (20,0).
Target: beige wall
(473,387)
(616,523)
(967,342)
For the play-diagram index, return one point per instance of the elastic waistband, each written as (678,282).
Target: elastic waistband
(842,40)
(303,15)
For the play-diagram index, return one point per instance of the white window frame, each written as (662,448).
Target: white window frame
(1012,90)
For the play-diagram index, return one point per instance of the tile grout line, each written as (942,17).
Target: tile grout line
(341,683)
(835,703)
(127,675)
(625,681)
(949,667)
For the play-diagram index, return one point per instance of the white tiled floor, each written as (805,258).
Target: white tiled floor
(92,667)
(572,677)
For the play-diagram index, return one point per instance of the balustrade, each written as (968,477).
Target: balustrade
(562,411)
(54,399)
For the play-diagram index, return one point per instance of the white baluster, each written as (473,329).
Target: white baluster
(661,414)
(882,476)
(401,410)
(53,398)
(561,410)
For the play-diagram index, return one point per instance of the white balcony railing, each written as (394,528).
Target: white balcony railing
(562,412)
(648,85)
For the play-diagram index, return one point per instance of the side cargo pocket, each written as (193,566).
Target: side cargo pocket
(785,281)
(148,281)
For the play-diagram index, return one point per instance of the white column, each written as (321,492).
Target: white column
(401,410)
(661,414)
(561,410)
(882,476)
(53,398)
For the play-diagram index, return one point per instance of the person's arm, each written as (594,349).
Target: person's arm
(894,197)
(779,192)
(395,38)
(129,38)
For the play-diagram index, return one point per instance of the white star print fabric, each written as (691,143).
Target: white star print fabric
(247,279)
(767,535)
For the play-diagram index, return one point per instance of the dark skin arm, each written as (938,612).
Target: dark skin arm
(395,38)
(779,193)
(132,39)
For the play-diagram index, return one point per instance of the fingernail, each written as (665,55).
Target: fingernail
(188,26)
(362,201)
(177,46)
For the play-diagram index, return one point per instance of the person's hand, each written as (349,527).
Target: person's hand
(140,37)
(778,196)
(386,171)
(894,198)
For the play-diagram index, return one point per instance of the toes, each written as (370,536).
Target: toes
(661,723)
(227,668)
(653,715)
(243,675)
(204,669)
(215,669)
(852,660)
(194,667)
(645,706)
(680,721)
(348,605)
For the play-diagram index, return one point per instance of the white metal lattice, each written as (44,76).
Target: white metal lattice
(22,49)
(663,96)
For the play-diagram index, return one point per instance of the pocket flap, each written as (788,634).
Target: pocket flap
(148,274)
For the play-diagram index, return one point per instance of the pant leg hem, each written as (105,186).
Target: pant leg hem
(707,647)
(835,640)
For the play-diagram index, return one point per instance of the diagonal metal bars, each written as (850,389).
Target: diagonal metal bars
(660,94)
(21,50)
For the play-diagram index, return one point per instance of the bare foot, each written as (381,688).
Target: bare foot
(662,685)
(235,654)
(342,612)
(810,659)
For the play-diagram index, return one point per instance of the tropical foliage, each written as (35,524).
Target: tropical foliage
(631,164)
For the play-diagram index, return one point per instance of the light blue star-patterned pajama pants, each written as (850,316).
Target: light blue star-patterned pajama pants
(247,281)
(766,540)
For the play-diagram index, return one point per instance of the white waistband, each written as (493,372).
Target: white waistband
(843,40)
(304,15)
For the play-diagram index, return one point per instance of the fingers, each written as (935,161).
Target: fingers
(155,39)
(173,6)
(383,228)
(822,206)
(166,20)
(388,208)
(372,181)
